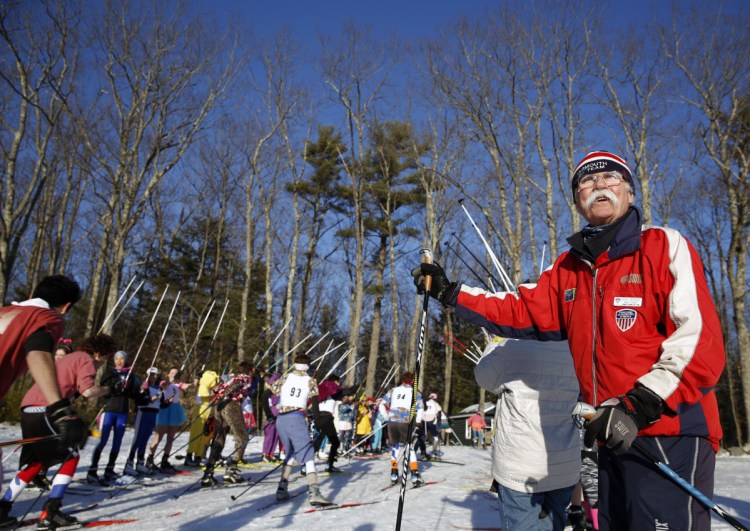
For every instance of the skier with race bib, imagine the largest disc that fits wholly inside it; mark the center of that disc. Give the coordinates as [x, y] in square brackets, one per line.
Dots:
[294, 390]
[399, 400]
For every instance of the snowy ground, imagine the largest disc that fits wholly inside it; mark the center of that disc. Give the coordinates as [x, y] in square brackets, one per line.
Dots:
[459, 498]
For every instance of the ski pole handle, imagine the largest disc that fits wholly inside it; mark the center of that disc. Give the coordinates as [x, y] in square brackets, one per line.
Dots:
[584, 410]
[427, 259]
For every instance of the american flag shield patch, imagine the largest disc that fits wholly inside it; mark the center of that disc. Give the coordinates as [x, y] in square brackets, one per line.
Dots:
[570, 294]
[625, 319]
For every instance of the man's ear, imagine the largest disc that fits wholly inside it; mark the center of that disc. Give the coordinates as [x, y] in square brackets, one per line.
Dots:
[64, 308]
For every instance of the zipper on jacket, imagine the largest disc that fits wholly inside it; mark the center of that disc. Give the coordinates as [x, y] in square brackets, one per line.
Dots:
[593, 336]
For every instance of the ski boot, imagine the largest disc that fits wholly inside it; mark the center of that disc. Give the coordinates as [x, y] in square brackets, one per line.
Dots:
[93, 478]
[41, 482]
[110, 475]
[129, 469]
[315, 498]
[6, 520]
[192, 460]
[208, 479]
[416, 480]
[394, 476]
[141, 467]
[53, 518]
[577, 518]
[150, 463]
[282, 491]
[166, 467]
[233, 476]
[333, 470]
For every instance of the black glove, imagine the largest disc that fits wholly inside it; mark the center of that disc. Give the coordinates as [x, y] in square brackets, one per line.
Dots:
[618, 420]
[441, 288]
[142, 398]
[72, 430]
[221, 404]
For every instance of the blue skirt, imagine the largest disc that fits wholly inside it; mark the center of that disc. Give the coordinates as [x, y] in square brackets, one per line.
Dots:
[172, 415]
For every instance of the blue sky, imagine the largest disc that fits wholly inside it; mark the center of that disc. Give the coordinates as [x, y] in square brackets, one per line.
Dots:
[409, 18]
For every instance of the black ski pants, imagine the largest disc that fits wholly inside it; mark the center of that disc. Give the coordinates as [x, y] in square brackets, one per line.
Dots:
[326, 428]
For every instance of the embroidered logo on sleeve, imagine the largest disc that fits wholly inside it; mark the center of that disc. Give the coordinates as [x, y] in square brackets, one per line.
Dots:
[625, 319]
[570, 294]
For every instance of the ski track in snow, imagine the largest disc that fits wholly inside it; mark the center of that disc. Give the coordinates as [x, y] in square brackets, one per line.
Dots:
[460, 498]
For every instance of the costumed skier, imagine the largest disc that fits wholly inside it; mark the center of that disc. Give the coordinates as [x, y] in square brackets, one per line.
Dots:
[294, 390]
[228, 417]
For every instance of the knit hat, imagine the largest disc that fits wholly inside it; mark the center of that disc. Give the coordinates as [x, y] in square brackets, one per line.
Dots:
[302, 359]
[122, 354]
[407, 378]
[599, 161]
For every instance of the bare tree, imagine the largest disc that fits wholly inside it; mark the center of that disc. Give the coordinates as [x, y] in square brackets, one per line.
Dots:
[706, 53]
[163, 75]
[38, 74]
[356, 70]
[274, 102]
[636, 90]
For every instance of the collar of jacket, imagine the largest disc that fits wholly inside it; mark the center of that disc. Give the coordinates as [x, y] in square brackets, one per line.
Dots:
[627, 239]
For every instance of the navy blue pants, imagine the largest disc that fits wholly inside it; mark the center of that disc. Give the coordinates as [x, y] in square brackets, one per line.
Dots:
[110, 422]
[145, 420]
[635, 494]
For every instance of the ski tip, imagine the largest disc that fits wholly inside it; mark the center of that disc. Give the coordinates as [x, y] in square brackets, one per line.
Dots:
[102, 523]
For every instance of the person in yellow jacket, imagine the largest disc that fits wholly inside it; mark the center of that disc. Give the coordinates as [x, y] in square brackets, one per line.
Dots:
[364, 422]
[199, 440]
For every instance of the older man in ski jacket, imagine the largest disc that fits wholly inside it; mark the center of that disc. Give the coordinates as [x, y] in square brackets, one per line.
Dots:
[633, 303]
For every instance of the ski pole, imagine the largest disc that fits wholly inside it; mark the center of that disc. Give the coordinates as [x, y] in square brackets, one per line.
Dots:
[704, 500]
[117, 303]
[476, 275]
[213, 339]
[347, 371]
[373, 432]
[490, 276]
[166, 327]
[274, 341]
[148, 329]
[503, 275]
[587, 411]
[427, 259]
[117, 317]
[338, 361]
[28, 440]
[198, 335]
[264, 476]
[316, 343]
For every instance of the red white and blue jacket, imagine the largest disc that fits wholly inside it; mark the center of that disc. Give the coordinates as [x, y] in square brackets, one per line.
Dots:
[642, 313]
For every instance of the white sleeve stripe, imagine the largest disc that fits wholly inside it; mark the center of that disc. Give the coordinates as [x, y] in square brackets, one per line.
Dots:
[678, 350]
[479, 292]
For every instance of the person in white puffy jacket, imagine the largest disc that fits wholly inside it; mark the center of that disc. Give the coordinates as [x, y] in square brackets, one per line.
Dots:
[536, 450]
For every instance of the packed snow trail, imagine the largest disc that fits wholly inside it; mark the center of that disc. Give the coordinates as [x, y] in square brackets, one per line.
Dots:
[459, 500]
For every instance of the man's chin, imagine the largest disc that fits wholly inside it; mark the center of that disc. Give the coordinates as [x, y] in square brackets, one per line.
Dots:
[601, 214]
